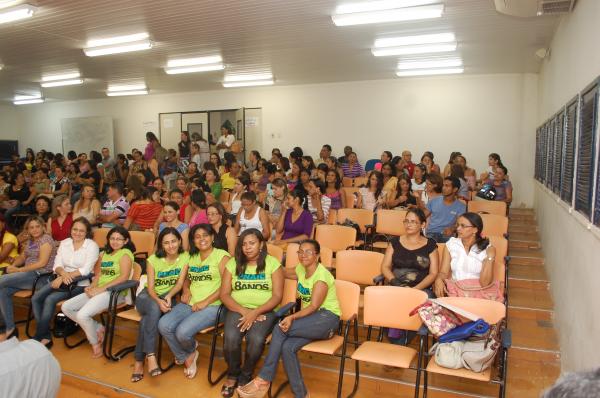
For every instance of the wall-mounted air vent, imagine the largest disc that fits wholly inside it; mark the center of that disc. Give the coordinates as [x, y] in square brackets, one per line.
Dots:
[532, 8]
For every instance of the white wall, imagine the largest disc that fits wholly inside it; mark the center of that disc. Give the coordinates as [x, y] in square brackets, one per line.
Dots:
[9, 127]
[475, 114]
[571, 249]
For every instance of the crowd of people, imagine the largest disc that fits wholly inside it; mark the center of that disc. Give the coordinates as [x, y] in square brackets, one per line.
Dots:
[213, 216]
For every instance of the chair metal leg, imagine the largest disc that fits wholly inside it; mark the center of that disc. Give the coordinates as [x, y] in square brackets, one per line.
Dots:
[107, 345]
[419, 366]
[356, 364]
[159, 356]
[213, 348]
[279, 389]
[69, 345]
[425, 354]
[504, 371]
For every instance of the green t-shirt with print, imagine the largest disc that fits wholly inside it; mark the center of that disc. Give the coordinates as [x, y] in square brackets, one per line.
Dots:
[205, 276]
[110, 268]
[166, 274]
[305, 288]
[251, 290]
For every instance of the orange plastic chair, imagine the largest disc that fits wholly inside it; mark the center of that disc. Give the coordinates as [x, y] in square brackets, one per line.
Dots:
[348, 193]
[275, 251]
[347, 182]
[487, 206]
[377, 302]
[358, 266]
[492, 312]
[501, 263]
[291, 256]
[348, 297]
[390, 223]
[363, 217]
[335, 237]
[100, 236]
[332, 216]
[494, 225]
[360, 181]
[144, 243]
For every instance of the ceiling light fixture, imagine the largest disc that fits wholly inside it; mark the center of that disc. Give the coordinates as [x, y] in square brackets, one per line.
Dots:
[430, 64]
[417, 49]
[123, 93]
[427, 72]
[65, 79]
[117, 45]
[64, 76]
[25, 99]
[58, 83]
[17, 13]
[127, 89]
[447, 37]
[386, 11]
[257, 79]
[191, 65]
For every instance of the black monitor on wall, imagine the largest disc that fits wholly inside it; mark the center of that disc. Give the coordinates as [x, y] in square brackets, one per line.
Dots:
[7, 148]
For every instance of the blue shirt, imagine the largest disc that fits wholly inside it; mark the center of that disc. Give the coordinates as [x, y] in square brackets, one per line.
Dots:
[443, 215]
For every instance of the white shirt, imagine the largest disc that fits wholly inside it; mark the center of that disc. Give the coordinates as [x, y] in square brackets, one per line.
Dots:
[27, 370]
[229, 140]
[417, 187]
[82, 259]
[464, 265]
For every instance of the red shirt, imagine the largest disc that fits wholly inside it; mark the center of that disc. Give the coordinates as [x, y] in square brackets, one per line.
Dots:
[144, 214]
[61, 232]
[410, 167]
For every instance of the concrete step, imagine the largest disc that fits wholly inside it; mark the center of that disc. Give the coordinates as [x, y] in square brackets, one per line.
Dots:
[533, 330]
[523, 244]
[521, 218]
[535, 284]
[529, 272]
[531, 236]
[529, 261]
[530, 294]
[521, 211]
[522, 227]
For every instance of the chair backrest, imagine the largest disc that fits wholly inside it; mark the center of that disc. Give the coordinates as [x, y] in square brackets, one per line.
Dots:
[289, 291]
[348, 193]
[348, 295]
[487, 206]
[100, 236]
[488, 310]
[360, 216]
[326, 256]
[360, 181]
[291, 255]
[499, 271]
[370, 165]
[347, 182]
[335, 237]
[494, 225]
[358, 266]
[275, 251]
[143, 241]
[332, 216]
[390, 222]
[390, 306]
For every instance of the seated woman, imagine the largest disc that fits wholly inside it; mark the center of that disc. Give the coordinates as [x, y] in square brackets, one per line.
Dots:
[418, 180]
[411, 261]
[501, 184]
[225, 237]
[494, 161]
[317, 320]
[457, 171]
[251, 216]
[42, 207]
[19, 198]
[433, 188]
[389, 177]
[200, 299]
[87, 206]
[37, 258]
[213, 181]
[430, 166]
[251, 288]
[196, 212]
[166, 273]
[297, 223]
[76, 257]
[318, 204]
[402, 195]
[9, 245]
[260, 176]
[294, 176]
[170, 213]
[372, 196]
[274, 202]
[468, 256]
[159, 184]
[333, 190]
[470, 174]
[143, 213]
[61, 219]
[60, 184]
[114, 266]
[242, 184]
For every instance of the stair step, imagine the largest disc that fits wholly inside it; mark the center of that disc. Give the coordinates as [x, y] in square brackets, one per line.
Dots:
[522, 227]
[526, 253]
[530, 261]
[531, 236]
[533, 330]
[531, 272]
[530, 296]
[523, 244]
[528, 284]
[529, 218]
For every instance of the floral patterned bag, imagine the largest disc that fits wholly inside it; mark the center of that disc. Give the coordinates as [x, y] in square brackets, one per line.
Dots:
[438, 319]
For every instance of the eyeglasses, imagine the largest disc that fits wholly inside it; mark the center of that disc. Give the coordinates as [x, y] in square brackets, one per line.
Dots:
[411, 222]
[464, 226]
[305, 252]
[116, 239]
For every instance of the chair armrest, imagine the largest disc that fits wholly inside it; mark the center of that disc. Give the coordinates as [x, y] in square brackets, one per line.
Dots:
[506, 259]
[40, 276]
[423, 331]
[284, 310]
[123, 286]
[506, 338]
[379, 279]
[80, 278]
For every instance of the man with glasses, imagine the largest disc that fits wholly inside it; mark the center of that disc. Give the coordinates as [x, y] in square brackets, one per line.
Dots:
[442, 211]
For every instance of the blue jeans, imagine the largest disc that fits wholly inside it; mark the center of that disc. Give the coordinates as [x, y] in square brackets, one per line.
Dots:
[317, 326]
[438, 237]
[148, 329]
[9, 285]
[180, 325]
[44, 303]
[19, 208]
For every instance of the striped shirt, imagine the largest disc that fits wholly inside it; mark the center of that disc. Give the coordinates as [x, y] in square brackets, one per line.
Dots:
[120, 206]
[352, 172]
[325, 205]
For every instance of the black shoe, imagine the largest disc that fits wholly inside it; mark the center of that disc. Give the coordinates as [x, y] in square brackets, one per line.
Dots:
[14, 333]
[228, 391]
[49, 344]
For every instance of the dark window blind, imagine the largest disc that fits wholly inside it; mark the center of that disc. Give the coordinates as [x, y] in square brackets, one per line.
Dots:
[568, 164]
[558, 153]
[585, 151]
[550, 151]
[536, 171]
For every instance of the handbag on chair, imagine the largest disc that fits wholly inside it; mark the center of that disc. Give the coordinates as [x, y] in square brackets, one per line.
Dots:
[472, 288]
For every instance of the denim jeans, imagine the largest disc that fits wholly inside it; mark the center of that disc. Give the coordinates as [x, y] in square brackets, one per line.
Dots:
[9, 285]
[44, 303]
[148, 328]
[438, 237]
[255, 344]
[316, 326]
[180, 325]
[19, 208]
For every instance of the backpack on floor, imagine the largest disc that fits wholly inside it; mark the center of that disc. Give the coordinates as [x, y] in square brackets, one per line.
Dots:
[64, 326]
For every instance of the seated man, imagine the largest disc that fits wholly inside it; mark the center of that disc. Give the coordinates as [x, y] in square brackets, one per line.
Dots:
[442, 211]
[114, 210]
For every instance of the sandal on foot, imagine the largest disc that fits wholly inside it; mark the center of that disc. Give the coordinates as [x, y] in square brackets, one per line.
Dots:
[227, 391]
[156, 371]
[190, 372]
[135, 377]
[253, 390]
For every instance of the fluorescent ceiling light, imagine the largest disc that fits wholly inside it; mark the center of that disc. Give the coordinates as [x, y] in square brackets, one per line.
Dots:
[58, 83]
[175, 63]
[64, 76]
[430, 64]
[17, 13]
[248, 83]
[118, 44]
[419, 49]
[29, 101]
[249, 77]
[386, 11]
[192, 69]
[126, 87]
[131, 92]
[1, 66]
[117, 40]
[19, 97]
[412, 40]
[381, 5]
[426, 72]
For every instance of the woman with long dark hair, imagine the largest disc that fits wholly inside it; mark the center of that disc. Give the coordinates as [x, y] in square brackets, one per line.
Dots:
[372, 196]
[296, 223]
[402, 195]
[251, 288]
[333, 189]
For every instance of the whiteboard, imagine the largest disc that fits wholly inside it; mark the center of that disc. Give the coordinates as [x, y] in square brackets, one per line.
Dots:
[84, 134]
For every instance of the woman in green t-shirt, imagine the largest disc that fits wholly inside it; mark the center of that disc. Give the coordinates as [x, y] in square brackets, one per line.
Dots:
[200, 299]
[252, 287]
[317, 320]
[165, 280]
[113, 267]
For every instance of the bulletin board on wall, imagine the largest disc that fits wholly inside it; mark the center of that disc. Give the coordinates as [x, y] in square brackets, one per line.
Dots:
[84, 134]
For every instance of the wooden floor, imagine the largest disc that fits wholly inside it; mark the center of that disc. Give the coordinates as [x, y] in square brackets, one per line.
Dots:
[534, 360]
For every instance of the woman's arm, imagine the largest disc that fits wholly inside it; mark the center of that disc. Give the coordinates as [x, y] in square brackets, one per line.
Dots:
[45, 252]
[187, 214]
[225, 294]
[319, 206]
[185, 242]
[157, 222]
[231, 240]
[439, 287]
[179, 285]
[487, 267]
[236, 224]
[433, 271]
[317, 298]
[386, 264]
[509, 190]
[5, 251]
[343, 198]
[281, 222]
[264, 221]
[290, 273]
